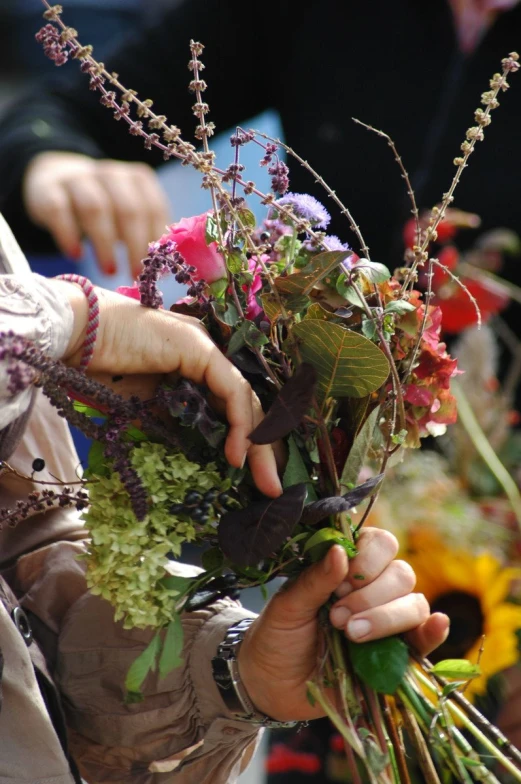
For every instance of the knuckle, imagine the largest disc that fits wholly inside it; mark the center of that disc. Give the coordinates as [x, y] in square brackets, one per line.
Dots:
[405, 573]
[53, 203]
[92, 207]
[143, 170]
[385, 540]
[422, 605]
[128, 210]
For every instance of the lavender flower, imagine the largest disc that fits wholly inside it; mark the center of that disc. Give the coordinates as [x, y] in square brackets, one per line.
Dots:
[53, 45]
[279, 177]
[307, 207]
[119, 452]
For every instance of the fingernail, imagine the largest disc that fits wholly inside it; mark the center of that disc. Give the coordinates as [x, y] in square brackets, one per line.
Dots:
[358, 628]
[243, 461]
[340, 616]
[76, 253]
[344, 589]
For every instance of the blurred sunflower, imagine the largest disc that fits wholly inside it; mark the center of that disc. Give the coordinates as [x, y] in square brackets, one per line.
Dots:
[473, 591]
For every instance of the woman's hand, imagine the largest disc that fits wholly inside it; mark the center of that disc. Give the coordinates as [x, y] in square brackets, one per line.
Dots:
[136, 340]
[73, 196]
[280, 650]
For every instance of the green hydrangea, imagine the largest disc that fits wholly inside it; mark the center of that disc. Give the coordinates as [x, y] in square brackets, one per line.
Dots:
[126, 557]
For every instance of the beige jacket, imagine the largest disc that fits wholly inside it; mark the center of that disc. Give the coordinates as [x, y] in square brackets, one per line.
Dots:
[79, 644]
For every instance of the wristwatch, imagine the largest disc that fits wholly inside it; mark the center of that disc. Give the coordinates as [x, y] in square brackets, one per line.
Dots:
[225, 670]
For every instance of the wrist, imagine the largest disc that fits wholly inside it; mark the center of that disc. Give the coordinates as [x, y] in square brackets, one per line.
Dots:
[74, 295]
[236, 694]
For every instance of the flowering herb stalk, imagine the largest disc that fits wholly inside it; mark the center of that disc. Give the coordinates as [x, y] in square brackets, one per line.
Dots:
[347, 360]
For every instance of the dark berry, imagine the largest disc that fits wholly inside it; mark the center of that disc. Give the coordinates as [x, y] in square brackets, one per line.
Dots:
[224, 499]
[38, 464]
[210, 495]
[192, 497]
[205, 506]
[176, 508]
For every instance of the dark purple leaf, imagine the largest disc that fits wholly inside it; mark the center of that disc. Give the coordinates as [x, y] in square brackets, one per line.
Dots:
[246, 536]
[288, 408]
[247, 362]
[318, 510]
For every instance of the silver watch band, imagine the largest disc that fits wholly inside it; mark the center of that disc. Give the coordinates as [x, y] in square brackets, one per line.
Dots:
[226, 675]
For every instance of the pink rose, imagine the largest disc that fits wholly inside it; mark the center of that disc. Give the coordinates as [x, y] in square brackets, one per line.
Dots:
[189, 237]
[252, 306]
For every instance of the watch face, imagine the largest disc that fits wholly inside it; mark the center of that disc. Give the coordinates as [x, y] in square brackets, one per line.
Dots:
[221, 673]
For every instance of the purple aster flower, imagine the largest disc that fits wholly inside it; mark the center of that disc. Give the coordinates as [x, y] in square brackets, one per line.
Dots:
[307, 207]
[329, 242]
[332, 242]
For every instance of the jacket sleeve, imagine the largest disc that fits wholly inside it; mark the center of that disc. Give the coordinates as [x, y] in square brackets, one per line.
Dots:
[30, 307]
[182, 732]
[63, 114]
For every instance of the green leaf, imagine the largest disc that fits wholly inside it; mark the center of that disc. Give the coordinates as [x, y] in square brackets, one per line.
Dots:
[369, 328]
[399, 438]
[347, 364]
[83, 408]
[320, 542]
[264, 592]
[247, 217]
[235, 262]
[212, 559]
[134, 434]
[248, 335]
[372, 270]
[226, 313]
[271, 306]
[97, 463]
[381, 664]
[352, 296]
[471, 763]
[399, 306]
[449, 688]
[358, 452]
[211, 231]
[174, 582]
[218, 288]
[316, 311]
[318, 268]
[296, 471]
[461, 669]
[172, 647]
[141, 666]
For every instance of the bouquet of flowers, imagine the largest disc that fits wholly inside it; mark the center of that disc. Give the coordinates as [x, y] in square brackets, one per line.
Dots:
[345, 358]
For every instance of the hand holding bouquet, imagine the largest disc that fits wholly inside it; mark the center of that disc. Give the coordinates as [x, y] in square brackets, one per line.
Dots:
[346, 361]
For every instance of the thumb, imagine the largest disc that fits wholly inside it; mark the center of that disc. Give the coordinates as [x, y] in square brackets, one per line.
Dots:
[299, 601]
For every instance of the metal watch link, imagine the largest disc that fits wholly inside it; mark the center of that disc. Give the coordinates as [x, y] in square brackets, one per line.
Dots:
[225, 670]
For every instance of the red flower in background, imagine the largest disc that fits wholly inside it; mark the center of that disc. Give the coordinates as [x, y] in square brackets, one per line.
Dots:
[283, 759]
[456, 306]
[457, 309]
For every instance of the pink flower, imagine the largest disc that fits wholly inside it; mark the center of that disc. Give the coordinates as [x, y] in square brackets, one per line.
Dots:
[189, 237]
[252, 306]
[129, 291]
